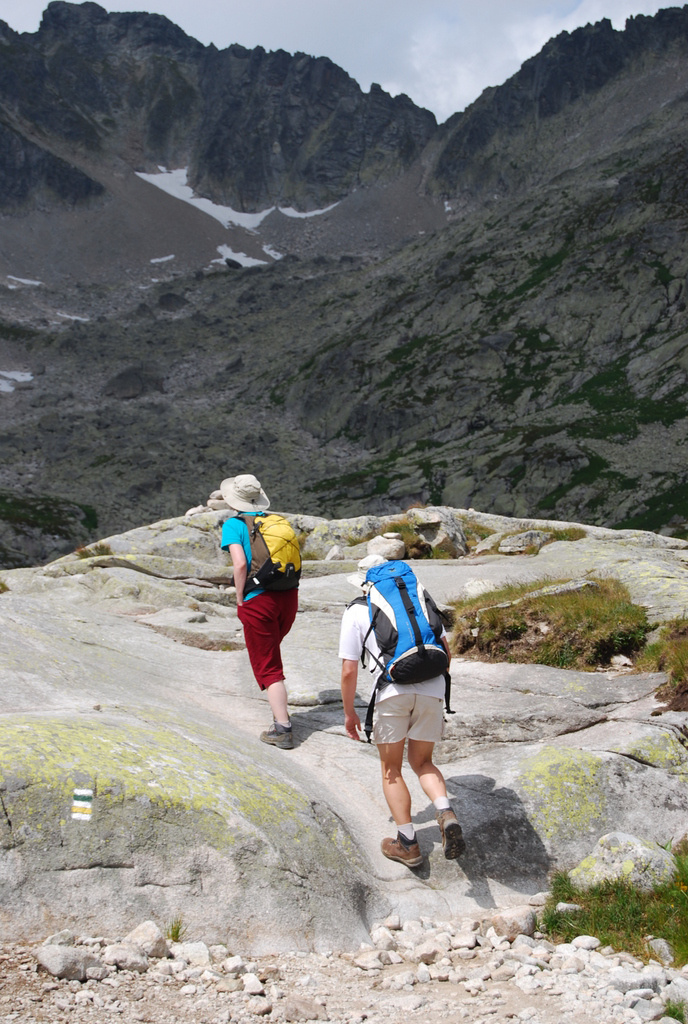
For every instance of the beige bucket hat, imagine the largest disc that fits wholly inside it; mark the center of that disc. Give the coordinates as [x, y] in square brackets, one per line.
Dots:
[244, 494]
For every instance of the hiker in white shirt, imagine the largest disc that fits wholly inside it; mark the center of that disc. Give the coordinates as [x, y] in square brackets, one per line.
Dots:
[411, 712]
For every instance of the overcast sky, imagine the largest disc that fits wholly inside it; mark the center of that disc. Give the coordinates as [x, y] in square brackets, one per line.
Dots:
[441, 53]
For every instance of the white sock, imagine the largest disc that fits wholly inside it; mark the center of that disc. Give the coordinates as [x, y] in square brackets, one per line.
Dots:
[407, 831]
[442, 803]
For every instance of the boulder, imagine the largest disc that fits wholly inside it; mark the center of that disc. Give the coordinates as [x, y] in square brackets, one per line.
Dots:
[323, 534]
[662, 950]
[234, 966]
[299, 1008]
[677, 990]
[390, 547]
[487, 544]
[195, 953]
[253, 986]
[68, 962]
[368, 960]
[622, 857]
[148, 937]
[520, 542]
[441, 528]
[126, 956]
[515, 921]
[382, 938]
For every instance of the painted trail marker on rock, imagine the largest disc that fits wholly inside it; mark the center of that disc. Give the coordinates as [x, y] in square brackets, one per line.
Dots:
[82, 804]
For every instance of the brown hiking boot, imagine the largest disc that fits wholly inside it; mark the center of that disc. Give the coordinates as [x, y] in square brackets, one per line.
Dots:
[453, 842]
[394, 849]
[279, 736]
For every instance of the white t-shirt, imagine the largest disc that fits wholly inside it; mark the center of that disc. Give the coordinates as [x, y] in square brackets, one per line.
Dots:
[355, 625]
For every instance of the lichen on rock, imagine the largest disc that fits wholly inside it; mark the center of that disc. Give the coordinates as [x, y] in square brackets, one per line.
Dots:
[565, 790]
[618, 856]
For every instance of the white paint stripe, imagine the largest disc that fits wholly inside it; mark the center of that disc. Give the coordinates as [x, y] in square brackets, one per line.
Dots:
[82, 804]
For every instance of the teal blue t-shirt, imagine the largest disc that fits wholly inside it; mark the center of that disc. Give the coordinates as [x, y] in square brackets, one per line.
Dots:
[235, 531]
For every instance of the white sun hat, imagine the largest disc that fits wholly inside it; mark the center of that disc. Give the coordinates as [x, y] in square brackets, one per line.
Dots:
[357, 579]
[244, 494]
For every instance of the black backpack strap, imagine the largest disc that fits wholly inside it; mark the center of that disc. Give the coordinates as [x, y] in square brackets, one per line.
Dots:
[259, 550]
[436, 619]
[364, 649]
[410, 611]
[447, 694]
[368, 727]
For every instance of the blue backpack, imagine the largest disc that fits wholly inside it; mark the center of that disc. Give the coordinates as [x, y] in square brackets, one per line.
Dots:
[407, 628]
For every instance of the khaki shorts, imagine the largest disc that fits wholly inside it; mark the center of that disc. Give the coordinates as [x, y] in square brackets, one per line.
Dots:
[412, 715]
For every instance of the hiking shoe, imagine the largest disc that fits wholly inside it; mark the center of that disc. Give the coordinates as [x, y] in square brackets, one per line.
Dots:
[279, 736]
[453, 842]
[395, 849]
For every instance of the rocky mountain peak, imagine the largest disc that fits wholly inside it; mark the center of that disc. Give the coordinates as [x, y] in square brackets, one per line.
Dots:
[504, 297]
[60, 16]
[571, 67]
[256, 128]
[88, 24]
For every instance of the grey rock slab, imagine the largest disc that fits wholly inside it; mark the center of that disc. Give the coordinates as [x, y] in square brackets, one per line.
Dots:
[172, 819]
[551, 802]
[156, 566]
[195, 538]
[192, 815]
[655, 572]
[502, 703]
[656, 742]
[656, 575]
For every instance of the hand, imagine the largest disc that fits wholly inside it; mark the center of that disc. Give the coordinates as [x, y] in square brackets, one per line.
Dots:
[352, 724]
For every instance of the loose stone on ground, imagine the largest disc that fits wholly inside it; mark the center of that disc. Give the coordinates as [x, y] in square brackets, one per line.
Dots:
[467, 970]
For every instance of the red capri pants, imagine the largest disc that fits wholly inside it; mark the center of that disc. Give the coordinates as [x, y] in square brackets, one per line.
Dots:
[267, 619]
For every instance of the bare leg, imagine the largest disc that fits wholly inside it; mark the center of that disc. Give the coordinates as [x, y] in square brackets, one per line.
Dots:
[393, 786]
[429, 775]
[277, 696]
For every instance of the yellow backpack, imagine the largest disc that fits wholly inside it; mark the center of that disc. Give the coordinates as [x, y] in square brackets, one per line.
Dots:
[275, 553]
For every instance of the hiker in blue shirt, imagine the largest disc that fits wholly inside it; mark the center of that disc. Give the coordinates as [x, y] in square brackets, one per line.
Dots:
[266, 615]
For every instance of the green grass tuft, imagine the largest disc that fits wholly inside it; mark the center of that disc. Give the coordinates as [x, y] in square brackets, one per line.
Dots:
[569, 533]
[94, 550]
[622, 916]
[580, 629]
[675, 1009]
[175, 929]
[669, 653]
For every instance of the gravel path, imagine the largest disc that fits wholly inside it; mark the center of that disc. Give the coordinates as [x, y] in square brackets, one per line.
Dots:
[417, 970]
